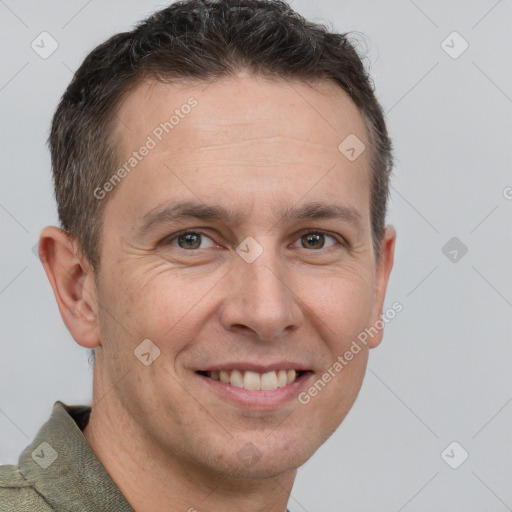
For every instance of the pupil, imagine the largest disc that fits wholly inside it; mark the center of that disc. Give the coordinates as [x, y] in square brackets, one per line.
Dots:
[191, 241]
[315, 239]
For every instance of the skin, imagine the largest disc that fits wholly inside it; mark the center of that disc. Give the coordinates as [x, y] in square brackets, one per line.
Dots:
[254, 146]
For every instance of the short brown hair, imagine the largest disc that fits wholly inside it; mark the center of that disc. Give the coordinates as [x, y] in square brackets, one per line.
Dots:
[198, 40]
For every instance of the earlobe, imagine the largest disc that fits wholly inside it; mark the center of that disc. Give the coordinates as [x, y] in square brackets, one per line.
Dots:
[73, 285]
[384, 266]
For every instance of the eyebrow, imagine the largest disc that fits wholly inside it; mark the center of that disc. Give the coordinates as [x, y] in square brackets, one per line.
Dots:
[185, 210]
[323, 211]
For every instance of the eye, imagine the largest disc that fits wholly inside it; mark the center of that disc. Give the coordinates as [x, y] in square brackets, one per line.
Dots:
[190, 240]
[316, 240]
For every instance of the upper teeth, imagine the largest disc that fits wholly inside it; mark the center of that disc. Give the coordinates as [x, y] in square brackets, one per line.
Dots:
[255, 381]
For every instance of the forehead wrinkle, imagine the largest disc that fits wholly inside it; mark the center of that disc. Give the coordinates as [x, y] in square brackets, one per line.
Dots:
[263, 139]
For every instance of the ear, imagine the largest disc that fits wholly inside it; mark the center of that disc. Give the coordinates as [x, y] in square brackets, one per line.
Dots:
[72, 280]
[384, 266]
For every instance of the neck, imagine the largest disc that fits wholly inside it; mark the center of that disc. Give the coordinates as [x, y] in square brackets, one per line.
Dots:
[154, 480]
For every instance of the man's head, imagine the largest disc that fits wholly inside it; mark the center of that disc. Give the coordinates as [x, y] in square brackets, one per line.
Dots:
[247, 236]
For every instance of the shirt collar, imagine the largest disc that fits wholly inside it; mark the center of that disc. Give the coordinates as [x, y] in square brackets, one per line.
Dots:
[62, 467]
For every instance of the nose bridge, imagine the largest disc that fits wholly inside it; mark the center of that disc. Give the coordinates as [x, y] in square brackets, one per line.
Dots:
[260, 299]
[264, 282]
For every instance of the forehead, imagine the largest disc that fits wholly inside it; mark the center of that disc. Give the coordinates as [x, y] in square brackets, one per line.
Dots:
[241, 139]
[241, 104]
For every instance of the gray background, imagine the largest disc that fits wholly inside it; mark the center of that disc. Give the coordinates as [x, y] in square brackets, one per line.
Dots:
[442, 373]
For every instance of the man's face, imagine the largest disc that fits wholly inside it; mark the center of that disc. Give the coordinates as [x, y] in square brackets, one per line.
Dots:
[260, 151]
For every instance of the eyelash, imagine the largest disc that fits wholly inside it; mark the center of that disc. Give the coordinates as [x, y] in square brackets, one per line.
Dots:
[341, 241]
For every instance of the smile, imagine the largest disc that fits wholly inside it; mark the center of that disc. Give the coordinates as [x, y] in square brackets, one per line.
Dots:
[255, 381]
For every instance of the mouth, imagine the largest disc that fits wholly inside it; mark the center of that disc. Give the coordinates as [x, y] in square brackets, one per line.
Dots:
[255, 381]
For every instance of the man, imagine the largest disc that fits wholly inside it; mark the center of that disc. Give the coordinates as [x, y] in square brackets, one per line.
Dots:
[221, 174]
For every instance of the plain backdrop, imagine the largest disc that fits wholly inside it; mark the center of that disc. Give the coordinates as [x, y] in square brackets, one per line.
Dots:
[442, 373]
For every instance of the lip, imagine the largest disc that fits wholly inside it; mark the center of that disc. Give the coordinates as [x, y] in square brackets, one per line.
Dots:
[256, 399]
[252, 367]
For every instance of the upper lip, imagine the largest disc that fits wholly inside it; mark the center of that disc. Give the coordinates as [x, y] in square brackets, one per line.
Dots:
[254, 367]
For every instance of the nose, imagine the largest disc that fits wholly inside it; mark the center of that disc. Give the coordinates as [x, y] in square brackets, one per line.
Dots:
[261, 299]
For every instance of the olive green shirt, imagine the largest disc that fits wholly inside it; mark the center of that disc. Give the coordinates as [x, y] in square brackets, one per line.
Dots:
[59, 471]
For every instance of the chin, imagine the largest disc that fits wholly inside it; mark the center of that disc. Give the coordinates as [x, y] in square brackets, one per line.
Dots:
[269, 458]
[265, 468]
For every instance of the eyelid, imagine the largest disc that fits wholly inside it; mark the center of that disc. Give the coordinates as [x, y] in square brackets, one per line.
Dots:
[338, 238]
[169, 239]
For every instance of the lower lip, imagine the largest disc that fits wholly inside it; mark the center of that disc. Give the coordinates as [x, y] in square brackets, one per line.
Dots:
[258, 399]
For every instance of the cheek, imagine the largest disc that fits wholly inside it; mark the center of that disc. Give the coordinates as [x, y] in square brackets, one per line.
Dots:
[344, 310]
[159, 303]
[341, 306]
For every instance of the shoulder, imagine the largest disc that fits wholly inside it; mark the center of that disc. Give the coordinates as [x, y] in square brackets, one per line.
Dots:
[18, 495]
